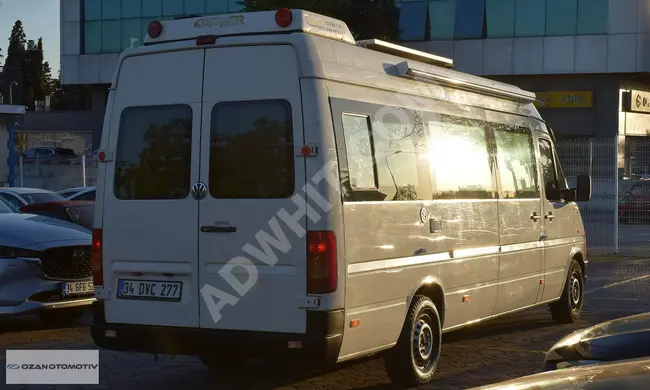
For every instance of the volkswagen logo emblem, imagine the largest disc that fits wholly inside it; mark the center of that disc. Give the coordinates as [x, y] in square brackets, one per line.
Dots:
[199, 191]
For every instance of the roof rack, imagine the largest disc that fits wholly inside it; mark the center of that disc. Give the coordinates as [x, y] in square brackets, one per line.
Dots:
[405, 52]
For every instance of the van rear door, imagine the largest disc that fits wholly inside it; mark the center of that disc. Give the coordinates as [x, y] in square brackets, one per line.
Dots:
[252, 130]
[149, 217]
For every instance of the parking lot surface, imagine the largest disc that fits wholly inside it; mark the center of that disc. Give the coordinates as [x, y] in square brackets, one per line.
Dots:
[490, 352]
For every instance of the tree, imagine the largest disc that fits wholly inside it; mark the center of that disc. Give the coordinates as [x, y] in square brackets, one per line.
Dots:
[366, 18]
[15, 63]
[48, 82]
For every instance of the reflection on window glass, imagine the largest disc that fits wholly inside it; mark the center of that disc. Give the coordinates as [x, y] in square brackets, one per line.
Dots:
[460, 162]
[234, 6]
[6, 207]
[470, 15]
[398, 148]
[93, 37]
[12, 200]
[111, 36]
[547, 163]
[359, 151]
[153, 157]
[518, 171]
[251, 150]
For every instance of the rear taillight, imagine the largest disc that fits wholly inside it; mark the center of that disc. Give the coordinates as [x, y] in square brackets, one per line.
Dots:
[322, 270]
[96, 252]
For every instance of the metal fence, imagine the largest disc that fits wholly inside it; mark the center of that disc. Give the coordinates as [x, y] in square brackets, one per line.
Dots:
[617, 218]
[56, 175]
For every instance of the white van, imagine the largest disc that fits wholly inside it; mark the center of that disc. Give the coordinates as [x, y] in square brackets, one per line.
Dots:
[268, 187]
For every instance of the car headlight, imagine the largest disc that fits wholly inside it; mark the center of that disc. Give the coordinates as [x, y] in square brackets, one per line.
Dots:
[7, 252]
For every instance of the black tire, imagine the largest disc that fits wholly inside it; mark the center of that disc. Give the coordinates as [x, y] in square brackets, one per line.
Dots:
[61, 316]
[567, 310]
[223, 362]
[414, 359]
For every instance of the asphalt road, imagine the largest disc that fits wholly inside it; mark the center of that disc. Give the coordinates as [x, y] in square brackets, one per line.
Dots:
[491, 352]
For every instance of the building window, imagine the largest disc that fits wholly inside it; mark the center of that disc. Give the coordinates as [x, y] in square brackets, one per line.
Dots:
[172, 7]
[111, 36]
[92, 10]
[412, 20]
[234, 6]
[592, 16]
[530, 18]
[561, 17]
[194, 7]
[93, 37]
[131, 33]
[216, 7]
[111, 9]
[441, 19]
[470, 15]
[500, 18]
[131, 9]
[152, 8]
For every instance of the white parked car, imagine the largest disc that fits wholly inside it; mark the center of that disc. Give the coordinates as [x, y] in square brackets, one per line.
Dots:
[19, 197]
[78, 193]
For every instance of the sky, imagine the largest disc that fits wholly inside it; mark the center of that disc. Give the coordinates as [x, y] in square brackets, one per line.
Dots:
[40, 19]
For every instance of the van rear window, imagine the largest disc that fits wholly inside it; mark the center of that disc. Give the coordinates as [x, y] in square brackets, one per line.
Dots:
[251, 150]
[153, 156]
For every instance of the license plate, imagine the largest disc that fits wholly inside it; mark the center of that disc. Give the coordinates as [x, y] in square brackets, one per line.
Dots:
[77, 288]
[149, 289]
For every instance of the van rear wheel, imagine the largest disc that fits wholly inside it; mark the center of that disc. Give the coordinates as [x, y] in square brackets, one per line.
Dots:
[413, 360]
[567, 310]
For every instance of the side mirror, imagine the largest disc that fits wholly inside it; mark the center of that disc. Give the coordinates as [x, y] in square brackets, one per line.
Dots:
[570, 195]
[583, 190]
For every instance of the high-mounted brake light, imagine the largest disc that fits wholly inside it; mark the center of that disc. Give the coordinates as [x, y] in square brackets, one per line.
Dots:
[322, 269]
[283, 17]
[206, 40]
[154, 29]
[96, 256]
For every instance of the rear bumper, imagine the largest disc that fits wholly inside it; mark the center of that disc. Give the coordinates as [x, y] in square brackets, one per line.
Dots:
[320, 345]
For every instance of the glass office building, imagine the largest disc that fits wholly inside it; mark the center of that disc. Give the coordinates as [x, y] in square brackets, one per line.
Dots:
[580, 55]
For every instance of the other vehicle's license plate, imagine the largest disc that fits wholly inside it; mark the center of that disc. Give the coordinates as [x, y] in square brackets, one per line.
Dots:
[77, 288]
[149, 289]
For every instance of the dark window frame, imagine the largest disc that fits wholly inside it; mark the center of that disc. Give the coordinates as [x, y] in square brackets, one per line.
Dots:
[291, 158]
[163, 107]
[556, 197]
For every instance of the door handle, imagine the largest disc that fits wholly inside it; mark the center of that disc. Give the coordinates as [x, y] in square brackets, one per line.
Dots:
[549, 216]
[218, 229]
[535, 217]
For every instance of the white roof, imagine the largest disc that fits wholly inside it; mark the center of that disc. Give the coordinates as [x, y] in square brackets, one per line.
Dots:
[12, 109]
[251, 23]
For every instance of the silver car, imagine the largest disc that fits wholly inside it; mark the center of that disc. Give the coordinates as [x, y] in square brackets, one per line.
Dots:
[46, 267]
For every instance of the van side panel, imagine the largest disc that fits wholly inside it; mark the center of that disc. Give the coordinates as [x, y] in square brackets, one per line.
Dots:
[136, 241]
[392, 247]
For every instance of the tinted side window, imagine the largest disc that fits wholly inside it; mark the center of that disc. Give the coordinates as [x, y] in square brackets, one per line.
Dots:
[13, 200]
[153, 157]
[251, 150]
[516, 157]
[549, 175]
[90, 195]
[460, 159]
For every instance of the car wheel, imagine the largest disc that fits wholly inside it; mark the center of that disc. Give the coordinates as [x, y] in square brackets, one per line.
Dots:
[567, 310]
[414, 359]
[61, 317]
[231, 361]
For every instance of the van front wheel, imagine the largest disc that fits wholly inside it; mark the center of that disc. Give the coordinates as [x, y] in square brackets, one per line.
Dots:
[413, 360]
[567, 310]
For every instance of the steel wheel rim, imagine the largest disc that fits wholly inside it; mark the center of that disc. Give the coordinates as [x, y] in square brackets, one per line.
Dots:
[575, 291]
[424, 346]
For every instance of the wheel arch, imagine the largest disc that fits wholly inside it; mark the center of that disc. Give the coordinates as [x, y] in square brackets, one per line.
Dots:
[431, 288]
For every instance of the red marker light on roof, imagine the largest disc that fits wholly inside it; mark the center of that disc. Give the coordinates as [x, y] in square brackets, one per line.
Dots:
[283, 17]
[154, 29]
